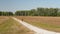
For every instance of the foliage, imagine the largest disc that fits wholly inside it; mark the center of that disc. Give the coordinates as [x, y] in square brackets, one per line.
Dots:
[6, 13]
[39, 12]
[34, 12]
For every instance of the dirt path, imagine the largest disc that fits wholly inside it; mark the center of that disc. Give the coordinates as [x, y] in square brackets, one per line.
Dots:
[35, 29]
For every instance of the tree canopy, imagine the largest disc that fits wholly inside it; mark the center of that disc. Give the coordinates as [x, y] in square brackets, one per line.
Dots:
[39, 12]
[34, 12]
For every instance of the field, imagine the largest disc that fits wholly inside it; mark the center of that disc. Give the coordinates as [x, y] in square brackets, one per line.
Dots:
[10, 26]
[48, 23]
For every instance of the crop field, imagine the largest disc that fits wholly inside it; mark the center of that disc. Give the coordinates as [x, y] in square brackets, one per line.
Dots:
[2, 19]
[48, 23]
[10, 26]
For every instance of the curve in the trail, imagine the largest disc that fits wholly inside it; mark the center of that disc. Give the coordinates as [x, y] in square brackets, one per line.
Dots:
[34, 28]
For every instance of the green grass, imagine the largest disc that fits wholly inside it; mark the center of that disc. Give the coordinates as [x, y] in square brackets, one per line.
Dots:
[11, 26]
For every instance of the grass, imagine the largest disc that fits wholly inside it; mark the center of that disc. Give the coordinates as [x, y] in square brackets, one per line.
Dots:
[11, 26]
[3, 18]
[48, 23]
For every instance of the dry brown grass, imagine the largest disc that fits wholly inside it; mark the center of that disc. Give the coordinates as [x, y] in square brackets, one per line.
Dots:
[10, 26]
[49, 23]
[3, 18]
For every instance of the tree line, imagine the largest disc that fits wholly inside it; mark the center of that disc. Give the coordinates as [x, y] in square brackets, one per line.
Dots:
[34, 12]
[3, 13]
[39, 12]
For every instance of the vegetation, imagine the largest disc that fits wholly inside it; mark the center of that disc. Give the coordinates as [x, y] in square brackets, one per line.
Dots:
[34, 12]
[47, 23]
[6, 13]
[10, 26]
[39, 12]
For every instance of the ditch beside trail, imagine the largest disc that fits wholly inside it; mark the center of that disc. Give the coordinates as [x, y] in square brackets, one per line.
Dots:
[34, 28]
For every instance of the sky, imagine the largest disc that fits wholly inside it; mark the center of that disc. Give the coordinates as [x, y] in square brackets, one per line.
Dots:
[14, 5]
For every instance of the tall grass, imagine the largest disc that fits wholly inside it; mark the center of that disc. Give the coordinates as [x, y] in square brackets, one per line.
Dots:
[11, 26]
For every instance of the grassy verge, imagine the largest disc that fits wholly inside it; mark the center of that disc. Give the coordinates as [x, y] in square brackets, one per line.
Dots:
[10, 26]
[37, 21]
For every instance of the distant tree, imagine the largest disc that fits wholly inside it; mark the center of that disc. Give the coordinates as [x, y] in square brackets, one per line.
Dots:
[38, 12]
[0, 13]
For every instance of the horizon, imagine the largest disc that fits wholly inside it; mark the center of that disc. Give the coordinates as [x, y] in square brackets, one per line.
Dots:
[14, 5]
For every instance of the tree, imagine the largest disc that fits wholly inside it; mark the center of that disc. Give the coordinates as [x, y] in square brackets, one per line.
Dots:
[0, 13]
